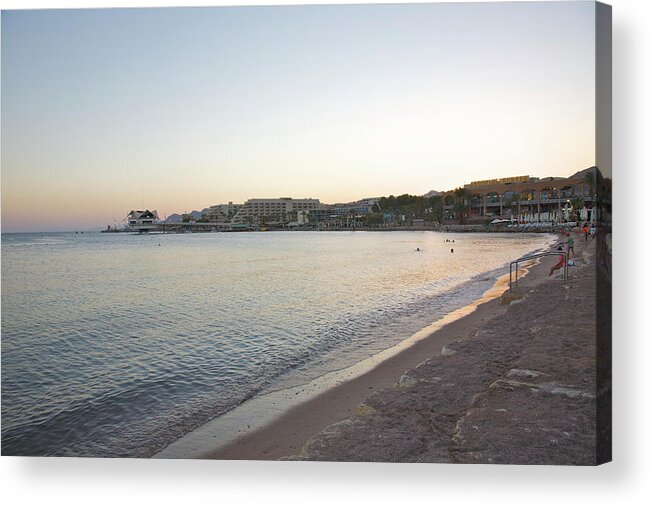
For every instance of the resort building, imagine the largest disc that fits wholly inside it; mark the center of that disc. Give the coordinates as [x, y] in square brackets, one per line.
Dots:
[324, 214]
[358, 209]
[275, 209]
[142, 220]
[224, 212]
[525, 199]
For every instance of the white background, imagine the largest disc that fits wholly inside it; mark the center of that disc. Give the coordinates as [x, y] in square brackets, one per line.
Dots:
[59, 481]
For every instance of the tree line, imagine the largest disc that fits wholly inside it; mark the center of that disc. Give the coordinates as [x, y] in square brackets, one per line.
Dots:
[412, 207]
[429, 209]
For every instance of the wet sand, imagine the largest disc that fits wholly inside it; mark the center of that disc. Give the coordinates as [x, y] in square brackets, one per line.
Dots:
[286, 435]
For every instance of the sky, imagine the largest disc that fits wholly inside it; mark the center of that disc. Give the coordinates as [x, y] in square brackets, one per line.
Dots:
[176, 109]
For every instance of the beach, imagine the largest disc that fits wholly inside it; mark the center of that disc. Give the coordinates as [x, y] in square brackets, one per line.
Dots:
[511, 381]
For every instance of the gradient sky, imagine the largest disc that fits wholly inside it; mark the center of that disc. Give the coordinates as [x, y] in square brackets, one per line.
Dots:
[180, 108]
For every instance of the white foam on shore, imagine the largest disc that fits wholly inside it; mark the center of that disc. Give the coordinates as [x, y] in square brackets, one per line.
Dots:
[263, 409]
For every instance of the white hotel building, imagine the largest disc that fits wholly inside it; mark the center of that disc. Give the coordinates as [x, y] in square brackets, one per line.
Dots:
[280, 209]
[222, 212]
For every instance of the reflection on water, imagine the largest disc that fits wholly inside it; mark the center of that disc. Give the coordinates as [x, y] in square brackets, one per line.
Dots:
[117, 344]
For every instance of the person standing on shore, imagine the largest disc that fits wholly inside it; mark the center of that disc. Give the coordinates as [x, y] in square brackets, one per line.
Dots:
[561, 260]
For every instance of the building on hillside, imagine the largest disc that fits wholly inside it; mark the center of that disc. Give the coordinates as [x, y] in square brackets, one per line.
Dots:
[359, 208]
[324, 214]
[142, 220]
[222, 213]
[275, 209]
[527, 199]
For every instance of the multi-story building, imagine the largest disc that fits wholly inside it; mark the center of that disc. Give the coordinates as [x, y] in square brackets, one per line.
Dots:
[275, 209]
[323, 214]
[528, 199]
[142, 220]
[358, 208]
[223, 212]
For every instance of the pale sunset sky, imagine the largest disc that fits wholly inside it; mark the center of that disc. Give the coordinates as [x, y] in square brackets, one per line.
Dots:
[105, 110]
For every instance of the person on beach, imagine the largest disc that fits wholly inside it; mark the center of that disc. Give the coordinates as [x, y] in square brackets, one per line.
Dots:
[570, 246]
[561, 261]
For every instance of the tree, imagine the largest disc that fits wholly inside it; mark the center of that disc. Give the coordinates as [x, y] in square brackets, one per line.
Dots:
[436, 204]
[374, 219]
[351, 214]
[577, 204]
[509, 202]
[589, 179]
[462, 199]
[388, 202]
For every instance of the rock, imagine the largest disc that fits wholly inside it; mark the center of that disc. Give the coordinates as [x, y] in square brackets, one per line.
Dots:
[406, 381]
[509, 297]
[523, 373]
[447, 351]
[365, 410]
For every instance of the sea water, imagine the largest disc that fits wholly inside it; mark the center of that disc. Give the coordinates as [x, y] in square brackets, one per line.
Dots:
[118, 344]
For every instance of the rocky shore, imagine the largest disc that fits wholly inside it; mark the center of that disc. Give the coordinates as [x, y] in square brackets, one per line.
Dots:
[521, 389]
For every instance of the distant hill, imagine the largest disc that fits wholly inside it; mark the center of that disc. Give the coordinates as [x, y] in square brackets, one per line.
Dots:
[432, 193]
[582, 173]
[177, 218]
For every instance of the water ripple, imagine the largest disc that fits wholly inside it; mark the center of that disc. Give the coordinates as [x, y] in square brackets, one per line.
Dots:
[111, 347]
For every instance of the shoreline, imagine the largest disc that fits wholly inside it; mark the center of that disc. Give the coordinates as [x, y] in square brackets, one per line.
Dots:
[522, 390]
[277, 424]
[529, 228]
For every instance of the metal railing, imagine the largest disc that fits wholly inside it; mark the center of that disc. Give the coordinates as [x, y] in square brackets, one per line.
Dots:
[532, 257]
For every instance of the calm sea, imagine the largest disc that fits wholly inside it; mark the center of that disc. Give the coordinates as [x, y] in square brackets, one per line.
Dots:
[118, 344]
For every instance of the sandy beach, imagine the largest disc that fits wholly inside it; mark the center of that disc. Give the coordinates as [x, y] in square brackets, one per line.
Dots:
[417, 404]
[286, 435]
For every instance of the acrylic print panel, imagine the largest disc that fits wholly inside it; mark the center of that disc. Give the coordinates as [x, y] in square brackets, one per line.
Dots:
[339, 233]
